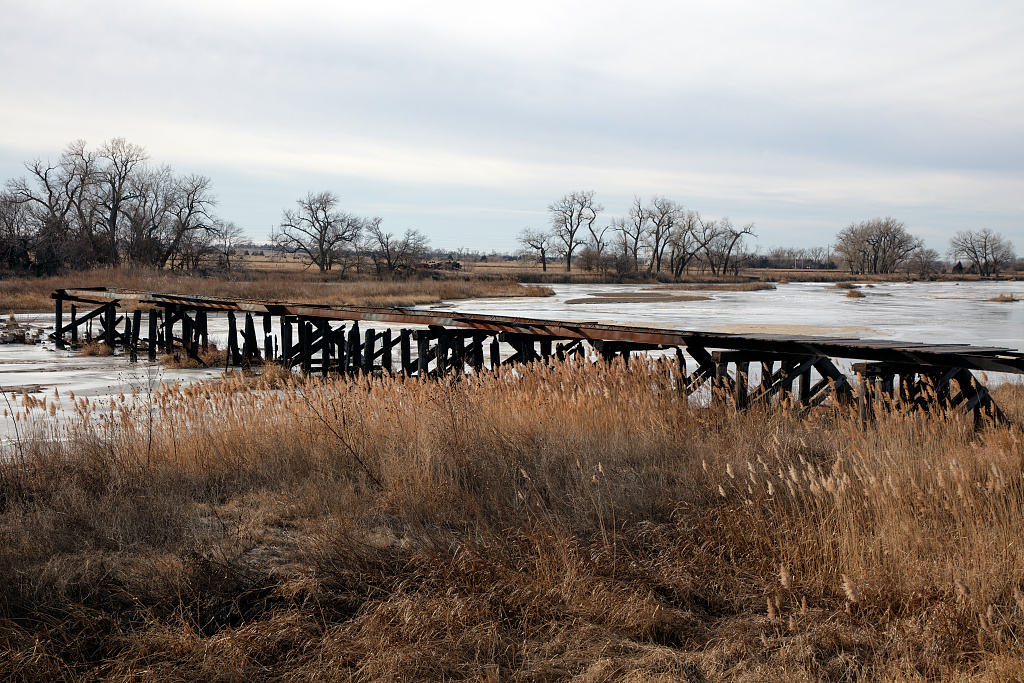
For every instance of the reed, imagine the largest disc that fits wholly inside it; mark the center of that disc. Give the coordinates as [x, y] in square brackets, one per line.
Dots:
[33, 294]
[572, 520]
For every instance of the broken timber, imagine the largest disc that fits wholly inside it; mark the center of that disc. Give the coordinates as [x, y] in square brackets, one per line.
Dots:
[327, 339]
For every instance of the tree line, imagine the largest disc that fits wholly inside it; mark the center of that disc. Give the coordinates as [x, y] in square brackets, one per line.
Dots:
[105, 207]
[660, 236]
[112, 205]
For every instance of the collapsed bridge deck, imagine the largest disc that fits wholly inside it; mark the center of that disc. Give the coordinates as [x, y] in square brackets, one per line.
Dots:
[308, 336]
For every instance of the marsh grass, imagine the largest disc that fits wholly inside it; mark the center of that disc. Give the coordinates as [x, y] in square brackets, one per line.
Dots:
[33, 294]
[548, 523]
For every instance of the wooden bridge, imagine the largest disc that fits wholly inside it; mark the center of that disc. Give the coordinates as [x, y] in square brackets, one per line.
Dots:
[327, 339]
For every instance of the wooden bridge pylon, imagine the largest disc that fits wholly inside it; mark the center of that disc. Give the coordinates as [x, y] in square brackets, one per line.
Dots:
[328, 340]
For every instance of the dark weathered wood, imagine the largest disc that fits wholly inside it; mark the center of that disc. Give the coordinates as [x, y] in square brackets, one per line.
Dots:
[286, 340]
[441, 360]
[58, 337]
[405, 350]
[169, 320]
[74, 325]
[495, 353]
[268, 339]
[325, 351]
[477, 352]
[740, 395]
[354, 349]
[152, 340]
[804, 387]
[422, 358]
[386, 344]
[234, 357]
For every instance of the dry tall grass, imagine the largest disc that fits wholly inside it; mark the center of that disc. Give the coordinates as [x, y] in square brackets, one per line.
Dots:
[575, 522]
[33, 294]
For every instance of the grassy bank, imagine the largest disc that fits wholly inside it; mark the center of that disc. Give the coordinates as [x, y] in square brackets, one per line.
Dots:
[571, 523]
[33, 294]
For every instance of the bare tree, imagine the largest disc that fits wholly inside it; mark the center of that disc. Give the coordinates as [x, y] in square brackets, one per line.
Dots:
[989, 251]
[119, 161]
[569, 216]
[317, 229]
[684, 245]
[190, 208]
[390, 253]
[880, 245]
[15, 234]
[721, 241]
[229, 236]
[662, 215]
[537, 243]
[923, 262]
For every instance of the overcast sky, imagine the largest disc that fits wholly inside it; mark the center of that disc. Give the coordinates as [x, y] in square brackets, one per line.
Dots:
[466, 119]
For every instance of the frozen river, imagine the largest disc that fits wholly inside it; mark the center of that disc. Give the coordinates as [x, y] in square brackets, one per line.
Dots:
[940, 312]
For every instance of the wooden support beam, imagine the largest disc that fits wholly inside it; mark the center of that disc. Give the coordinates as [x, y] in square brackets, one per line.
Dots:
[804, 387]
[325, 342]
[354, 350]
[74, 325]
[128, 348]
[170, 313]
[152, 339]
[495, 353]
[136, 329]
[386, 344]
[406, 350]
[268, 338]
[286, 340]
[740, 396]
[422, 360]
[58, 337]
[441, 361]
[477, 353]
[234, 356]
[371, 339]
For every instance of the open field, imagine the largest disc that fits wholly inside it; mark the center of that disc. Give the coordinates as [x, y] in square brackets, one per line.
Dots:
[33, 294]
[568, 523]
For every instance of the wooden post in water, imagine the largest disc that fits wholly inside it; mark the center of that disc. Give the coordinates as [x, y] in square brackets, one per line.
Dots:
[202, 327]
[804, 387]
[325, 351]
[371, 337]
[151, 344]
[136, 330]
[385, 359]
[495, 353]
[110, 325]
[478, 352]
[305, 332]
[169, 329]
[441, 355]
[286, 340]
[233, 355]
[268, 339]
[58, 322]
[352, 352]
[740, 394]
[74, 324]
[406, 350]
[422, 359]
